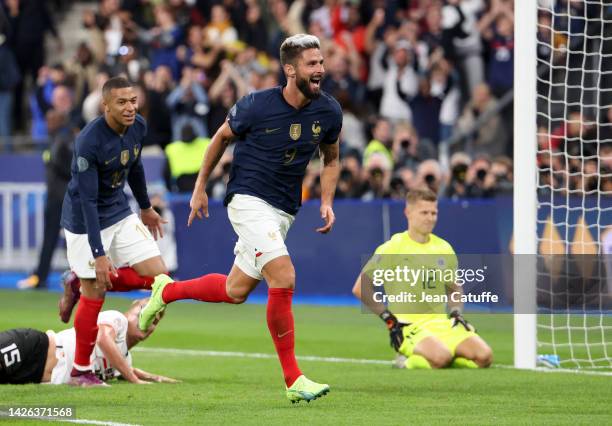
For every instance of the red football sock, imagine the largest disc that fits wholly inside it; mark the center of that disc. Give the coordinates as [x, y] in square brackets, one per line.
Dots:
[207, 288]
[280, 324]
[127, 279]
[86, 327]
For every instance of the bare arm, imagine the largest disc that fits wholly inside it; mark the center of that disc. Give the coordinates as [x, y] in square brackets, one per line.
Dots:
[143, 375]
[364, 291]
[199, 199]
[228, 74]
[106, 342]
[329, 179]
[377, 20]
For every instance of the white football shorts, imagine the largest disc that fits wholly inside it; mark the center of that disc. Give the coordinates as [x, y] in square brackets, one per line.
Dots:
[261, 230]
[126, 243]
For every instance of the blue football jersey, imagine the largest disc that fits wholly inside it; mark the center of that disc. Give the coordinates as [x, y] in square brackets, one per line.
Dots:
[275, 144]
[102, 162]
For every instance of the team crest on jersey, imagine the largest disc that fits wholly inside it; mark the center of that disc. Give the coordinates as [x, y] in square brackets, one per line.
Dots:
[316, 129]
[136, 150]
[295, 131]
[125, 156]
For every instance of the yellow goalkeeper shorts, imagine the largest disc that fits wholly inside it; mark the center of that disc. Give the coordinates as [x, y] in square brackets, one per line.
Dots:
[440, 328]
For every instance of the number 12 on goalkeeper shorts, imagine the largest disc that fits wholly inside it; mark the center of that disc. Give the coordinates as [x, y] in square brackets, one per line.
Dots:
[11, 355]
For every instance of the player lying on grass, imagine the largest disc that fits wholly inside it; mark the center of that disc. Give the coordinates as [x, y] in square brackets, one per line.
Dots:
[31, 356]
[428, 340]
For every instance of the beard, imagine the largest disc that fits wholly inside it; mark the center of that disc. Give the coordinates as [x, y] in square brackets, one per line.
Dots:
[303, 84]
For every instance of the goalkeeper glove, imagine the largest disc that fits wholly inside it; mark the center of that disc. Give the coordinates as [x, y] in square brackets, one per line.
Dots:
[457, 318]
[395, 329]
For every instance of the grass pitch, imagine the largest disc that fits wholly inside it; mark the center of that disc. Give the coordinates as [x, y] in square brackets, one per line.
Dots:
[227, 388]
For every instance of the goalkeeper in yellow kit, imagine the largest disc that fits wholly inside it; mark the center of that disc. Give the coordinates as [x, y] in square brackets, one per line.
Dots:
[422, 339]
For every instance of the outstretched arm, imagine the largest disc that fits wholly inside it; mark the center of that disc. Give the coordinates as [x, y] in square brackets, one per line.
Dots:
[150, 377]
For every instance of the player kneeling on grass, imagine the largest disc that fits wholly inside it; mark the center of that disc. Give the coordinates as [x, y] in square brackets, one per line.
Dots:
[31, 356]
[423, 340]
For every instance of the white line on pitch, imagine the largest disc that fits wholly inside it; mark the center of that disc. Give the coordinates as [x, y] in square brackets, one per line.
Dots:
[258, 355]
[195, 352]
[5, 414]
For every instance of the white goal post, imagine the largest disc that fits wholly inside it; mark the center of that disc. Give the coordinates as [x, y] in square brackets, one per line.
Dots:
[525, 185]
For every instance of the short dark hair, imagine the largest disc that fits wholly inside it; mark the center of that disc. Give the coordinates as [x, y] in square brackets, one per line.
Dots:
[423, 194]
[115, 83]
[293, 47]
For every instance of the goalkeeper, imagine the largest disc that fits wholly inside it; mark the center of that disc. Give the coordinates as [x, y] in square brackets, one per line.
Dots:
[421, 338]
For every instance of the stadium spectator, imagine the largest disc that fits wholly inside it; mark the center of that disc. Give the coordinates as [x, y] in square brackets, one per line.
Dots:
[444, 86]
[92, 104]
[62, 100]
[280, 26]
[400, 83]
[480, 180]
[41, 100]
[378, 171]
[83, 71]
[457, 186]
[501, 169]
[408, 149]
[382, 142]
[57, 164]
[163, 39]
[378, 51]
[220, 29]
[188, 104]
[255, 33]
[463, 40]
[29, 21]
[9, 78]
[343, 78]
[350, 181]
[347, 185]
[426, 109]
[489, 139]
[497, 28]
[429, 175]
[433, 35]
[183, 160]
[225, 91]
[158, 85]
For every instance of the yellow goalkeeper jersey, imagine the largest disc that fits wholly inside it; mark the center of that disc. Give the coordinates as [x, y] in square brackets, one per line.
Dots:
[434, 262]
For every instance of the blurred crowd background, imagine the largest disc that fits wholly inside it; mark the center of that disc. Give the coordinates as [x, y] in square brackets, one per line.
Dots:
[425, 85]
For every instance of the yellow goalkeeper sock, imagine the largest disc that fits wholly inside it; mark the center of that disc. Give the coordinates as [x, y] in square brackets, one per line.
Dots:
[460, 362]
[417, 362]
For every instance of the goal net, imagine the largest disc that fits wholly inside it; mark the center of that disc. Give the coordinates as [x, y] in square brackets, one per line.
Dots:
[574, 183]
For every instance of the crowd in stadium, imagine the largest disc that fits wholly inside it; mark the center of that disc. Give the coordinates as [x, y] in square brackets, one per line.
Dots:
[574, 108]
[420, 81]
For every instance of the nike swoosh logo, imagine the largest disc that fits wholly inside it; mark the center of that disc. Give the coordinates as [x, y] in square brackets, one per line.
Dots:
[107, 162]
[268, 131]
[284, 334]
